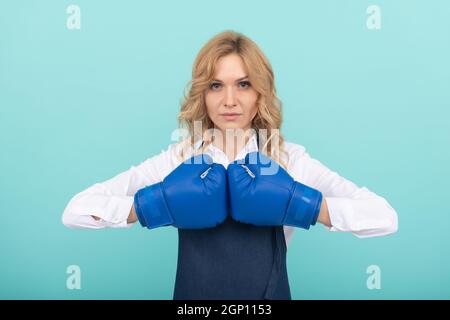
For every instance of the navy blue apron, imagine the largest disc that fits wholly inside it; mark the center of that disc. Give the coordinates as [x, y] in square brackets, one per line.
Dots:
[232, 261]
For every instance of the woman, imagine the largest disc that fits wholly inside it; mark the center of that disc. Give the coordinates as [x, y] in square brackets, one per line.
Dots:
[231, 111]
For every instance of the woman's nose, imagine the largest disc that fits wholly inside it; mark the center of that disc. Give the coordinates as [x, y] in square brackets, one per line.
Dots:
[230, 98]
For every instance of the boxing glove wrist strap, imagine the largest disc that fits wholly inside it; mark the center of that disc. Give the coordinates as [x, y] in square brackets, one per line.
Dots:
[304, 207]
[151, 207]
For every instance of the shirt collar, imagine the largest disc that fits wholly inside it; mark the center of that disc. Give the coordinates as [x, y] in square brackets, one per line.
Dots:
[251, 146]
[214, 152]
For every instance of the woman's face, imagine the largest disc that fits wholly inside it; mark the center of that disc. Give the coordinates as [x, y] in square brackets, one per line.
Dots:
[230, 99]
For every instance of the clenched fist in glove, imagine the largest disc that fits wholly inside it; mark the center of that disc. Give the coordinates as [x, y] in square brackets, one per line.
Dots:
[263, 193]
[192, 196]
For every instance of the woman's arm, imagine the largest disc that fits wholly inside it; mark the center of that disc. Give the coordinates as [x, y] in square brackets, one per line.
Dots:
[345, 207]
[109, 204]
[132, 218]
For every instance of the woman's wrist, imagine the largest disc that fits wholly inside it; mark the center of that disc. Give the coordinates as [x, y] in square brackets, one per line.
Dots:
[132, 217]
[324, 216]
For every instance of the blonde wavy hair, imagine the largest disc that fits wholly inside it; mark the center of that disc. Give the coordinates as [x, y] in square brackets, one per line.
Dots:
[261, 77]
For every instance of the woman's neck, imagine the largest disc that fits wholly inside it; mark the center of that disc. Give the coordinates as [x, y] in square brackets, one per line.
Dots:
[231, 142]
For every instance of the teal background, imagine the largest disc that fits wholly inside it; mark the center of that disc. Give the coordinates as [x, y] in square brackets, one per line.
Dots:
[80, 106]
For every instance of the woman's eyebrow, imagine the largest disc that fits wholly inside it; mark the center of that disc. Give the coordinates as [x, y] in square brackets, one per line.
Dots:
[240, 79]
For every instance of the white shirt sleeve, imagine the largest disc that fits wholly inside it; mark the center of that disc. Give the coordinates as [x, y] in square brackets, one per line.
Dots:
[112, 199]
[351, 208]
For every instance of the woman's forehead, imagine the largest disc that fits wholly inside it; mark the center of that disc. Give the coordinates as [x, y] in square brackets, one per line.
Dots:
[230, 68]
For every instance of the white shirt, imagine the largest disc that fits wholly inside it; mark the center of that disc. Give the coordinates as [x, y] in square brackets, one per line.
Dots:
[351, 208]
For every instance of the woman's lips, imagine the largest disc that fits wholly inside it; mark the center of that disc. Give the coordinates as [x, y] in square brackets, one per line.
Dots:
[230, 116]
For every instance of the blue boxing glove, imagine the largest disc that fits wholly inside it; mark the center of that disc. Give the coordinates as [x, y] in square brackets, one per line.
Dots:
[192, 196]
[262, 193]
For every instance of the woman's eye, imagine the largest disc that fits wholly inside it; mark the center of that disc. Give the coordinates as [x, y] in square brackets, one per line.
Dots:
[244, 84]
[214, 86]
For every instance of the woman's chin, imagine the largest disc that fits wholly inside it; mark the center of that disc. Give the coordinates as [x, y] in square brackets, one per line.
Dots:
[232, 125]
